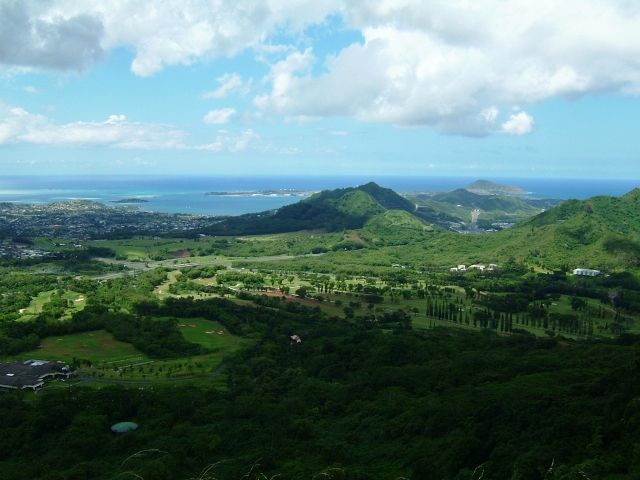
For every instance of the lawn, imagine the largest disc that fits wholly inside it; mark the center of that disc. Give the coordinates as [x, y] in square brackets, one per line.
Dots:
[120, 361]
[198, 330]
[99, 347]
[210, 334]
[35, 307]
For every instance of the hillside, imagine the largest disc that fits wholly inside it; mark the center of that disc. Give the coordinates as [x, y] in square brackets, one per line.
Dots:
[485, 187]
[601, 232]
[459, 206]
[330, 210]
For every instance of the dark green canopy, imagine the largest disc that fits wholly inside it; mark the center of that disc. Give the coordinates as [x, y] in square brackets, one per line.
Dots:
[124, 427]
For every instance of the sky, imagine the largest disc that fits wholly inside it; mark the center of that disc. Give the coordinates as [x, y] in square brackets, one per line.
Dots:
[497, 88]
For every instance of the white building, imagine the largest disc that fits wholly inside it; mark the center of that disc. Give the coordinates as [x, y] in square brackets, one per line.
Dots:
[586, 272]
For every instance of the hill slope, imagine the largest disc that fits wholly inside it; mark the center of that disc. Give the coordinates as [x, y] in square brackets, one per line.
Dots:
[330, 210]
[458, 205]
[601, 232]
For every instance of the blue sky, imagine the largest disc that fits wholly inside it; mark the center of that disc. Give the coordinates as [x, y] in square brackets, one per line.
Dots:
[392, 87]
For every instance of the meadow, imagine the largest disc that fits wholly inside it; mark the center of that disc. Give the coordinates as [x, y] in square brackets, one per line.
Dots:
[99, 347]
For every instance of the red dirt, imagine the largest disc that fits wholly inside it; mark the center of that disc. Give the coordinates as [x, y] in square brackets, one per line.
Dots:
[354, 236]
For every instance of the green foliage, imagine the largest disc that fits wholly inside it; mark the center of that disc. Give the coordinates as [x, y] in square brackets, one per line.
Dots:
[331, 210]
[156, 338]
[458, 204]
[436, 404]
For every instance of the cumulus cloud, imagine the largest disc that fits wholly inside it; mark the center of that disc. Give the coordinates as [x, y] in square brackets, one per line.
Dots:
[17, 126]
[518, 124]
[229, 83]
[181, 32]
[449, 64]
[218, 117]
[490, 114]
[55, 42]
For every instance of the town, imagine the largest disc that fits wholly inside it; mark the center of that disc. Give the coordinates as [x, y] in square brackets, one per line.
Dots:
[84, 219]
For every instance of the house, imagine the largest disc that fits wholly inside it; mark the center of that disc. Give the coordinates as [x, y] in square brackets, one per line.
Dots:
[586, 272]
[31, 374]
[296, 338]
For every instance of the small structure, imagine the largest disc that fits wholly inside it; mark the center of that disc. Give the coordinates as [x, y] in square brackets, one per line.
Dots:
[124, 427]
[586, 272]
[31, 374]
[296, 338]
[477, 267]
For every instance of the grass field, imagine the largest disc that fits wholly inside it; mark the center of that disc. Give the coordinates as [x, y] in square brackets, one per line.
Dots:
[99, 347]
[77, 299]
[197, 330]
[116, 360]
[146, 248]
[211, 335]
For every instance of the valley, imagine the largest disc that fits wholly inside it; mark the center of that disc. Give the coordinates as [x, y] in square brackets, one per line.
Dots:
[351, 306]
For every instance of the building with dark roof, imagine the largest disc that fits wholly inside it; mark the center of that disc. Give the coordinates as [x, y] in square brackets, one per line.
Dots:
[31, 374]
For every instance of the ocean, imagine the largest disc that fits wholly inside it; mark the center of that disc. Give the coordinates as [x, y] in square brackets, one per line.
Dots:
[186, 194]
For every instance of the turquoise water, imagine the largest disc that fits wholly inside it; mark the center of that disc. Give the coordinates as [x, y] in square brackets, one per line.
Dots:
[186, 194]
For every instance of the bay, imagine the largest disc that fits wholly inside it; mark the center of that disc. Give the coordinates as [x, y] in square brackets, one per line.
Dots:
[186, 194]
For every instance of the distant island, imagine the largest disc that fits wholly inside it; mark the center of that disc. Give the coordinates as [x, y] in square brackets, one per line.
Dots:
[485, 187]
[265, 193]
[130, 200]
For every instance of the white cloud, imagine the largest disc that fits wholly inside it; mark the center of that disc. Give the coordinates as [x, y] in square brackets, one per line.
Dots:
[218, 117]
[233, 142]
[518, 124]
[449, 64]
[27, 39]
[32, 90]
[490, 114]
[17, 126]
[452, 64]
[229, 83]
[181, 32]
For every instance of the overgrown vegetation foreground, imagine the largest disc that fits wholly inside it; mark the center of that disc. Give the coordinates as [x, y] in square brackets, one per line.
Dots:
[364, 399]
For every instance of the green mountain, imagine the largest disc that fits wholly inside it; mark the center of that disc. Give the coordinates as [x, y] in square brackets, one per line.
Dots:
[330, 210]
[601, 232]
[463, 206]
[485, 187]
[604, 230]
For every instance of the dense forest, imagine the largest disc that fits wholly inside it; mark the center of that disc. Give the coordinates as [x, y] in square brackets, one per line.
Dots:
[357, 400]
